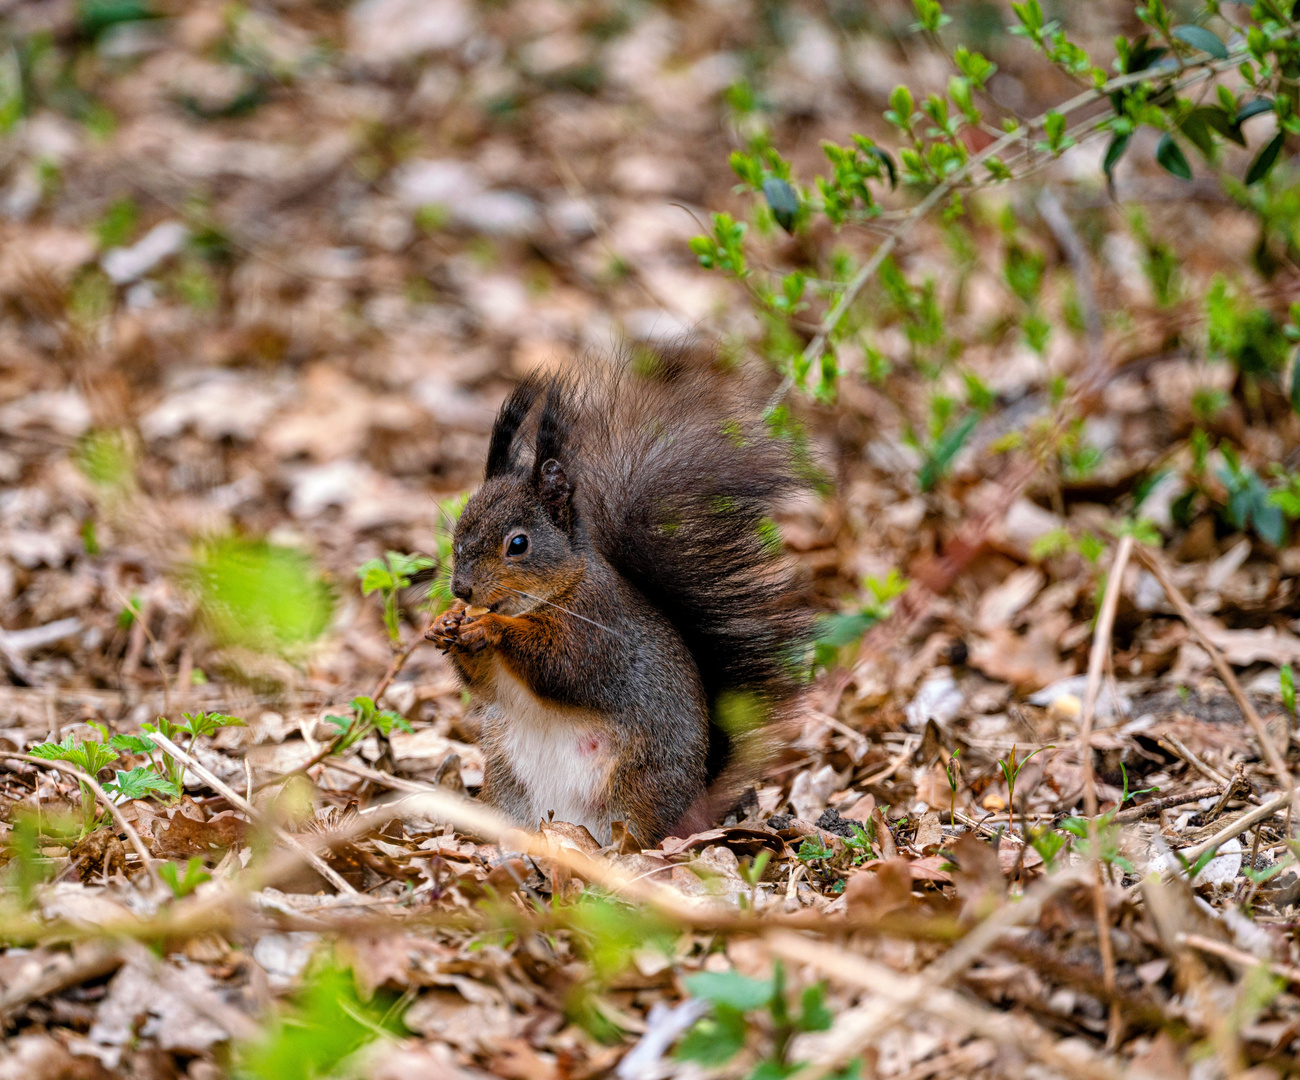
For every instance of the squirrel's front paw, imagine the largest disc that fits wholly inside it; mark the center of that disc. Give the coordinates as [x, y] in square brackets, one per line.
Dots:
[477, 634]
[445, 630]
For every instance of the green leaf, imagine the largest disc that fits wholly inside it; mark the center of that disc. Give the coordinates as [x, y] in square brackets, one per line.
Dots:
[132, 744]
[783, 200]
[195, 875]
[813, 1013]
[261, 596]
[1265, 159]
[1171, 157]
[1114, 151]
[140, 782]
[730, 988]
[374, 576]
[716, 1039]
[1253, 108]
[1200, 38]
[1286, 679]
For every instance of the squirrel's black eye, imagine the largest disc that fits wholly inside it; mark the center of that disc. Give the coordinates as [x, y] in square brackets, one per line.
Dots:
[517, 545]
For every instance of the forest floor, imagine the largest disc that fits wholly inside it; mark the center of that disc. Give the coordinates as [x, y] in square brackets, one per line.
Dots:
[266, 273]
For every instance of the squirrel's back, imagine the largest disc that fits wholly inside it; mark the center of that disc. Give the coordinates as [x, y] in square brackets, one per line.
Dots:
[678, 475]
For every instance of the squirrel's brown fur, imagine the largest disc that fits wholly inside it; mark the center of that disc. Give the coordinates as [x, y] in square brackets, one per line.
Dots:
[649, 612]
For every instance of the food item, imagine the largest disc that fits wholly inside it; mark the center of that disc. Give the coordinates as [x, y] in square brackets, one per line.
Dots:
[475, 612]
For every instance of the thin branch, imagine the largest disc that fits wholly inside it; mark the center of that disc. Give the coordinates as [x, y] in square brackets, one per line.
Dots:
[1096, 663]
[812, 353]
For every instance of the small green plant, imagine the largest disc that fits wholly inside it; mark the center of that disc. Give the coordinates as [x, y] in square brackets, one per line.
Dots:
[860, 841]
[118, 223]
[27, 867]
[366, 717]
[1048, 843]
[387, 576]
[91, 757]
[733, 998]
[1108, 832]
[313, 1036]
[440, 597]
[106, 458]
[837, 631]
[607, 934]
[180, 884]
[193, 724]
[1286, 679]
[1011, 767]
[1250, 503]
[752, 872]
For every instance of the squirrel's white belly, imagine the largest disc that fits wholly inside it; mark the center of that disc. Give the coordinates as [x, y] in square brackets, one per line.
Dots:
[561, 759]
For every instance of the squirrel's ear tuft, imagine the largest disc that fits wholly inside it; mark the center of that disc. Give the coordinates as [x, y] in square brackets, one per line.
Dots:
[501, 450]
[555, 491]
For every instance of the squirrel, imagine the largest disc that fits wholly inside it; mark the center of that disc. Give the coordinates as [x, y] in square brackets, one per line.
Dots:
[625, 619]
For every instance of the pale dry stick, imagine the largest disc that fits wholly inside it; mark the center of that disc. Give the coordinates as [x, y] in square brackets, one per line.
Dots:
[1195, 762]
[851, 1042]
[1272, 755]
[984, 827]
[1076, 253]
[1096, 662]
[1237, 956]
[1239, 825]
[900, 994]
[396, 783]
[71, 770]
[479, 820]
[237, 800]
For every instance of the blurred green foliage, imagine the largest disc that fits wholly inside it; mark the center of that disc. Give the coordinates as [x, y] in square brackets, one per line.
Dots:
[261, 596]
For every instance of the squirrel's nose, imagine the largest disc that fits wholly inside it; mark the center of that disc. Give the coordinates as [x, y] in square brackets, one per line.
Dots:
[461, 588]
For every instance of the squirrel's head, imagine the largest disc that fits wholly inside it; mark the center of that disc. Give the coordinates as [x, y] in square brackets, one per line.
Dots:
[514, 545]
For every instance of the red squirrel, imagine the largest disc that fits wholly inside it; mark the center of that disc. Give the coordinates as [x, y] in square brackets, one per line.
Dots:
[625, 619]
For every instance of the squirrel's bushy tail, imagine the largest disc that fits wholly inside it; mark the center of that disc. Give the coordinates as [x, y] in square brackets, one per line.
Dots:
[678, 475]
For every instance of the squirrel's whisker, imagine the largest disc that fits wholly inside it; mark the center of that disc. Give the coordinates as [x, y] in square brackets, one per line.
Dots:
[543, 600]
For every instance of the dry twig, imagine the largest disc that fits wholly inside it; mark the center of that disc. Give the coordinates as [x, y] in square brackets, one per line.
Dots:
[1096, 664]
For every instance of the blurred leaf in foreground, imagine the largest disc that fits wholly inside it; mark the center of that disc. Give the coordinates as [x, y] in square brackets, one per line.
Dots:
[259, 595]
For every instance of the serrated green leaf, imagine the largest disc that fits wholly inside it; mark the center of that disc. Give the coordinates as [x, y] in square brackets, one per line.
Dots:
[1200, 38]
[139, 782]
[133, 744]
[1265, 159]
[1170, 157]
